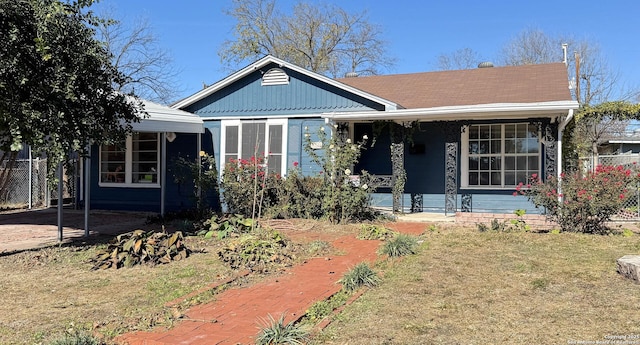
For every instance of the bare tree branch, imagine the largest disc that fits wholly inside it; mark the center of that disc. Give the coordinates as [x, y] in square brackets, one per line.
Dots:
[325, 39]
[136, 53]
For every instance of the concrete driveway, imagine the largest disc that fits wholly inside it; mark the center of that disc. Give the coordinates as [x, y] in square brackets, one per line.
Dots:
[30, 229]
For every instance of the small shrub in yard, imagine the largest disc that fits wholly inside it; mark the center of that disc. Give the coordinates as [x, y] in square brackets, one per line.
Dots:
[513, 225]
[76, 338]
[258, 252]
[375, 232]
[248, 188]
[361, 275]
[586, 202]
[400, 245]
[226, 226]
[278, 332]
[139, 247]
[322, 309]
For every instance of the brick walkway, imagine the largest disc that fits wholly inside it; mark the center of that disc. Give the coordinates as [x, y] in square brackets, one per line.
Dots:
[233, 318]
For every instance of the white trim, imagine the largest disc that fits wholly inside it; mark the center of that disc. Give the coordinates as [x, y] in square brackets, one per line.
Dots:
[260, 117]
[463, 112]
[128, 167]
[464, 158]
[165, 119]
[268, 122]
[281, 63]
[637, 141]
[275, 76]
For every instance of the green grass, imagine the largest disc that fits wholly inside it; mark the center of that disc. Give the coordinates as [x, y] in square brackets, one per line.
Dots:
[497, 288]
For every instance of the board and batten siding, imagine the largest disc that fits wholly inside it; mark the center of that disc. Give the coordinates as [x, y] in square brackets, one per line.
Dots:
[248, 98]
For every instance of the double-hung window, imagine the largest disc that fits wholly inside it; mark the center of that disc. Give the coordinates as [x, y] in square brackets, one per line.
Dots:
[499, 155]
[133, 163]
[243, 139]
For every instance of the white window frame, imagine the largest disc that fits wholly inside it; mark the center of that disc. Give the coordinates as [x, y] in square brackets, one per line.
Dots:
[464, 164]
[128, 169]
[268, 122]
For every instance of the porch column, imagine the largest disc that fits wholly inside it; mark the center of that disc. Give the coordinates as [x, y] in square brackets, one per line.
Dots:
[549, 139]
[452, 134]
[399, 176]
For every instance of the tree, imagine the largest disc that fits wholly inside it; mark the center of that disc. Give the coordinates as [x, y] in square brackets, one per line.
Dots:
[57, 83]
[602, 121]
[465, 58]
[596, 81]
[135, 52]
[324, 39]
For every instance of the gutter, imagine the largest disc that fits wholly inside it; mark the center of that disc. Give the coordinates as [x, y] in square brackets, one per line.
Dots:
[561, 128]
[468, 112]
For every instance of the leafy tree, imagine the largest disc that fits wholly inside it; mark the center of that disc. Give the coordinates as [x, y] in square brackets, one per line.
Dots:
[324, 39]
[135, 51]
[57, 84]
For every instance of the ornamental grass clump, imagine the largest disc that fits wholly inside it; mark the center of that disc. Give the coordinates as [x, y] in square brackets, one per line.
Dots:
[361, 275]
[400, 245]
[586, 201]
[278, 332]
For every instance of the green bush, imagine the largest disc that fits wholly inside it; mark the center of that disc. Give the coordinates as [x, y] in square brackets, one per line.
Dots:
[375, 232]
[278, 332]
[259, 251]
[586, 202]
[76, 338]
[247, 187]
[360, 275]
[226, 226]
[400, 245]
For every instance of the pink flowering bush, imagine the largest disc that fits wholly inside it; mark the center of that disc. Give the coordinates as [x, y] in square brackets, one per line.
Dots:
[586, 201]
[247, 188]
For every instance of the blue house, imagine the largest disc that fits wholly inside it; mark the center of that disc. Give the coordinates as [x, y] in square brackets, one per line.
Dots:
[474, 134]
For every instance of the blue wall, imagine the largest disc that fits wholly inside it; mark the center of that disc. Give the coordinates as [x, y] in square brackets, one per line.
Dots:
[178, 196]
[303, 95]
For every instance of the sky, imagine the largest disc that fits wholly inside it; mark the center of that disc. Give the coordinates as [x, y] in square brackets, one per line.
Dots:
[417, 31]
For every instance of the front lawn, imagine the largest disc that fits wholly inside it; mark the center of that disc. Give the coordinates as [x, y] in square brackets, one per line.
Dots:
[469, 287]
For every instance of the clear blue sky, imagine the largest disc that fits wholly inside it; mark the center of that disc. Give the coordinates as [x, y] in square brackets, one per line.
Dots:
[418, 31]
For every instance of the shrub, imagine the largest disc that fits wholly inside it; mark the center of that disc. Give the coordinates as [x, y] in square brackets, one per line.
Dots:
[375, 232]
[248, 188]
[76, 338]
[400, 245]
[343, 197]
[226, 226]
[278, 332]
[138, 247]
[322, 309]
[586, 202]
[360, 275]
[258, 252]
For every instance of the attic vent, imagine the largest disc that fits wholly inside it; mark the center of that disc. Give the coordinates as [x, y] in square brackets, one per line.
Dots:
[485, 64]
[351, 74]
[275, 76]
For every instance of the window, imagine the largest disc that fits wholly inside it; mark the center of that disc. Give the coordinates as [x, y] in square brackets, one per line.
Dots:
[132, 163]
[246, 139]
[499, 156]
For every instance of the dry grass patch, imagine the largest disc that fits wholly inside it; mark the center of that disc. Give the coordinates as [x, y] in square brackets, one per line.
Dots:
[47, 291]
[497, 288]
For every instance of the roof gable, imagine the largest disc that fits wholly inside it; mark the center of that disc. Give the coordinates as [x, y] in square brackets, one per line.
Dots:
[513, 84]
[263, 65]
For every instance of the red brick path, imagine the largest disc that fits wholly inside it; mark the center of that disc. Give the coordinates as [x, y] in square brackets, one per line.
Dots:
[233, 318]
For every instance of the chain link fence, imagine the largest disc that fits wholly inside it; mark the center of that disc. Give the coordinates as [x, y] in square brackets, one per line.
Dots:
[27, 185]
[631, 210]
